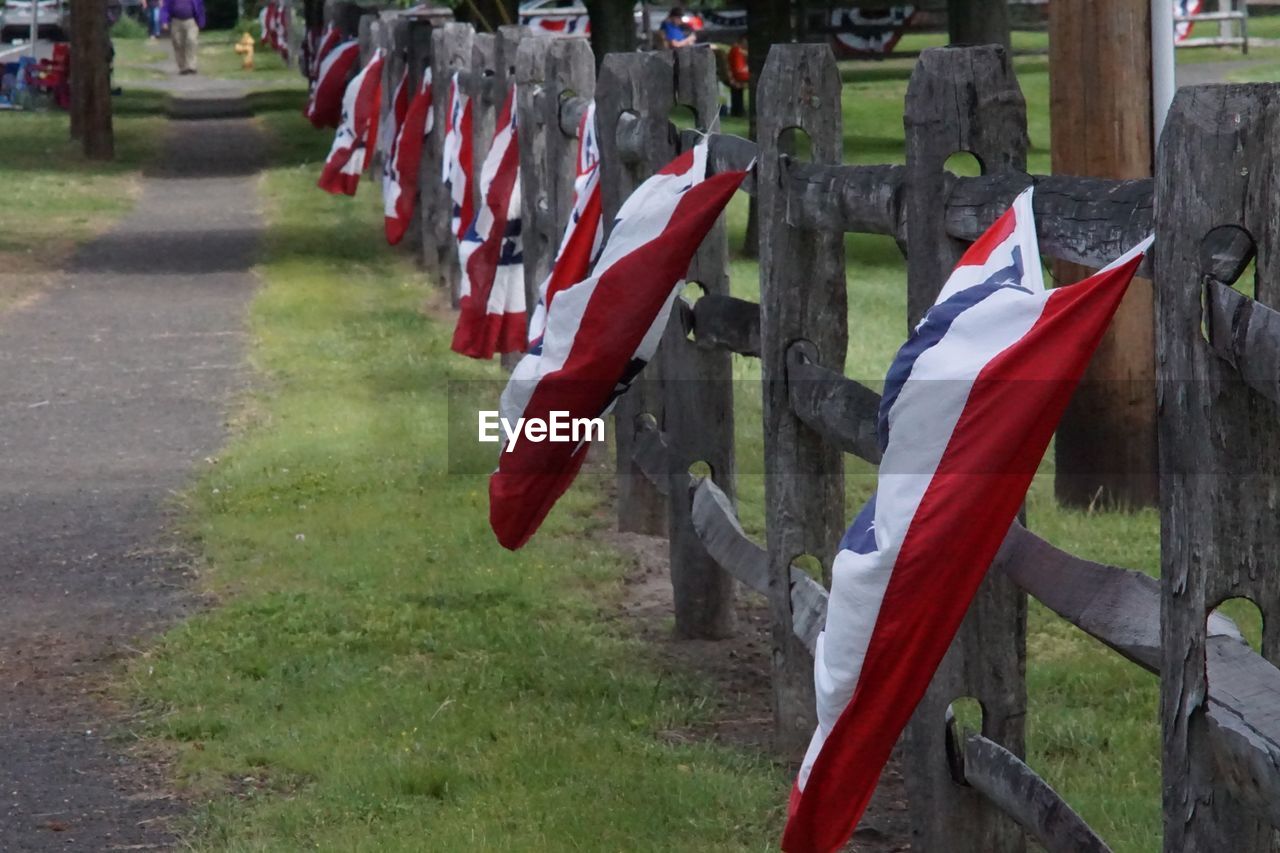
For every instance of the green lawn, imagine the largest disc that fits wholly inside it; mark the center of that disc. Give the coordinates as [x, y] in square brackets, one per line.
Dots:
[381, 675]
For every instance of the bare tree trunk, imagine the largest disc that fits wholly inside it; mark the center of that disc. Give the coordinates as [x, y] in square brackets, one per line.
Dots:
[613, 27]
[92, 70]
[768, 23]
[978, 21]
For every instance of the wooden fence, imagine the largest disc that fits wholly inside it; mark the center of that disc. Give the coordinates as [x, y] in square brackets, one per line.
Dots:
[1218, 372]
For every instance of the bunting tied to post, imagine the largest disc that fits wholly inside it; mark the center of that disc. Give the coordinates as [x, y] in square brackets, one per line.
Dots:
[969, 406]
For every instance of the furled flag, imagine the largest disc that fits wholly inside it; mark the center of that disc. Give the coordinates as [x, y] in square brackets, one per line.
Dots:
[970, 403]
[280, 35]
[584, 231]
[324, 105]
[1184, 9]
[601, 332]
[329, 38]
[266, 22]
[357, 133]
[392, 116]
[456, 161]
[491, 311]
[400, 171]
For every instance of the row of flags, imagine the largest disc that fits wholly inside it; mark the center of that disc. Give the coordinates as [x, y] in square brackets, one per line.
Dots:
[970, 402]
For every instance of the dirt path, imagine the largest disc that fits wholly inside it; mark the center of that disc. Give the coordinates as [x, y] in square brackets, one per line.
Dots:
[112, 390]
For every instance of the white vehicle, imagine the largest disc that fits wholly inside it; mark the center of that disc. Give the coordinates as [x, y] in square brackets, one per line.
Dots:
[52, 20]
[562, 17]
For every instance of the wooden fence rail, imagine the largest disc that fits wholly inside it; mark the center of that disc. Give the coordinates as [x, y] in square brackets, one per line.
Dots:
[1219, 377]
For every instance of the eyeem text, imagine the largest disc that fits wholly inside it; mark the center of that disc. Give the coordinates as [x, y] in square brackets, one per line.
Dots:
[559, 427]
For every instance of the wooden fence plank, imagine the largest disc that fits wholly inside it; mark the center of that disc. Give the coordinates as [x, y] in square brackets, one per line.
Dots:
[843, 411]
[1246, 334]
[697, 390]
[717, 320]
[802, 297]
[548, 70]
[450, 52]
[962, 100]
[1219, 457]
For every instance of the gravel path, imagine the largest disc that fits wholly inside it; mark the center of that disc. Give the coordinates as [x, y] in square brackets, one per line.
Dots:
[112, 390]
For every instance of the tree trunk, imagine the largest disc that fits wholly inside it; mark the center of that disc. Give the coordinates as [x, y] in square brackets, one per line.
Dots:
[91, 92]
[613, 27]
[1100, 106]
[769, 22]
[978, 21]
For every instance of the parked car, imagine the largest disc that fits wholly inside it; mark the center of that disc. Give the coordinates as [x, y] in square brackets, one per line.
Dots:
[570, 17]
[52, 20]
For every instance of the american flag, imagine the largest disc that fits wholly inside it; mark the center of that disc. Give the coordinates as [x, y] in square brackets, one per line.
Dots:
[324, 105]
[457, 157]
[600, 332]
[583, 233]
[491, 315]
[400, 170]
[970, 403]
[357, 133]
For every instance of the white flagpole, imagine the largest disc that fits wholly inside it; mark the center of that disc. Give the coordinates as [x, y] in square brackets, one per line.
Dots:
[1162, 64]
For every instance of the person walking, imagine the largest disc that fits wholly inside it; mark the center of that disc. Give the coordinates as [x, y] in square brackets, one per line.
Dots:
[184, 19]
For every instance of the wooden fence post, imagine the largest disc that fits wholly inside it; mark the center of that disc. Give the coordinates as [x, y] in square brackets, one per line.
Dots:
[368, 36]
[1219, 454]
[539, 129]
[697, 391]
[393, 37]
[802, 297]
[962, 99]
[547, 70]
[450, 52]
[637, 85]
[418, 38]
[479, 85]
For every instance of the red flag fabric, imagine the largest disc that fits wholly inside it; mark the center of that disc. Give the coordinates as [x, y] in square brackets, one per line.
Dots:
[324, 106]
[584, 232]
[491, 316]
[457, 158]
[357, 132]
[600, 333]
[400, 171]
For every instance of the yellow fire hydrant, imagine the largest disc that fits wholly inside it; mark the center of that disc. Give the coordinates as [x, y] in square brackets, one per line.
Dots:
[244, 47]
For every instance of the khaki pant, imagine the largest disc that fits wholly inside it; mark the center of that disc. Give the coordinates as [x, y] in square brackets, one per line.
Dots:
[186, 38]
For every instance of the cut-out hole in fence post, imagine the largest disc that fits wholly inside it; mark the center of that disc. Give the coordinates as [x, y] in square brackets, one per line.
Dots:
[1247, 618]
[963, 164]
[963, 717]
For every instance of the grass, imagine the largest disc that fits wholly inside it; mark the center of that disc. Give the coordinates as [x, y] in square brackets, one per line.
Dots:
[54, 198]
[381, 675]
[140, 61]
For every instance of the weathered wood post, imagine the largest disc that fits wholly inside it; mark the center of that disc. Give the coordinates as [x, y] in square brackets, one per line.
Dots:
[802, 297]
[368, 36]
[479, 84]
[697, 391]
[345, 17]
[962, 99]
[393, 37]
[417, 46]
[634, 95]
[450, 52]
[547, 71]
[1219, 453]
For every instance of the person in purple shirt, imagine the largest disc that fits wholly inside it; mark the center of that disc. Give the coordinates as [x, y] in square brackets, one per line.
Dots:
[184, 19]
